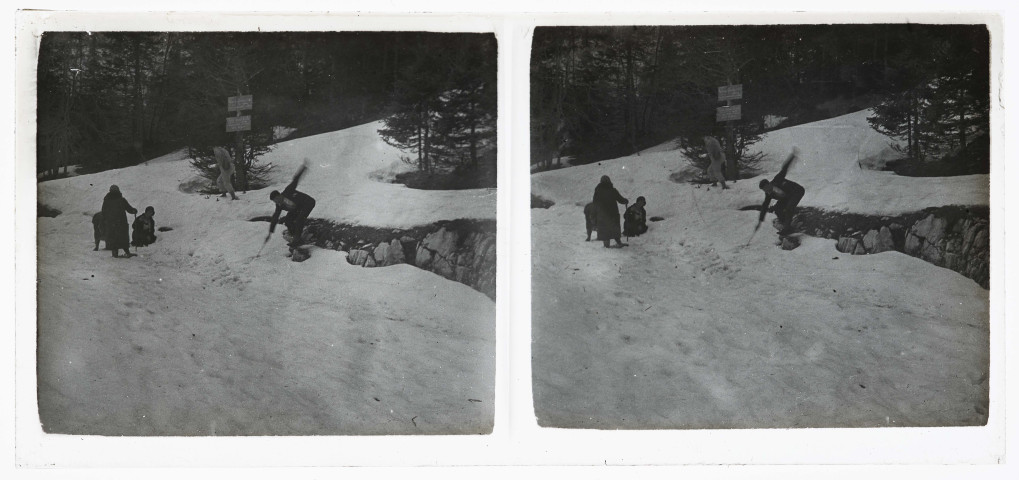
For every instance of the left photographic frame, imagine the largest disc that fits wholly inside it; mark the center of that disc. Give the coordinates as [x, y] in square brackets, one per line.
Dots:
[320, 253]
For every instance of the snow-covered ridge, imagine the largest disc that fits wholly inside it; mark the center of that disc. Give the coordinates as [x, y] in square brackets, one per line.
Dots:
[342, 163]
[829, 167]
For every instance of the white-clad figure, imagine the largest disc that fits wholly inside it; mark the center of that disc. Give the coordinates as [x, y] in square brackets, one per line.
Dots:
[226, 170]
[717, 160]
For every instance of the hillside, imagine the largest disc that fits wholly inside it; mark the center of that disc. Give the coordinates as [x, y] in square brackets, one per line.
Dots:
[691, 326]
[202, 335]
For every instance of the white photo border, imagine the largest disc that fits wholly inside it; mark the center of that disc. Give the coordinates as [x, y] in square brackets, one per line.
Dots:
[516, 439]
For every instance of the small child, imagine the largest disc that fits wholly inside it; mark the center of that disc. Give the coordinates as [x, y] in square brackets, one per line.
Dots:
[635, 219]
[144, 228]
[98, 229]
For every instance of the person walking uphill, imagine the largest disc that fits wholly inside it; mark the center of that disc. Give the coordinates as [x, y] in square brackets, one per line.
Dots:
[115, 210]
[605, 198]
[226, 170]
[717, 158]
[787, 194]
[298, 206]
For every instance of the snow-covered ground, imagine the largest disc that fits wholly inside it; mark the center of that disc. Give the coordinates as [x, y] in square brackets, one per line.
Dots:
[692, 327]
[199, 336]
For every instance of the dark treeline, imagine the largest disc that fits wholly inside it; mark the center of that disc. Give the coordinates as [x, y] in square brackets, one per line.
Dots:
[455, 128]
[604, 92]
[114, 99]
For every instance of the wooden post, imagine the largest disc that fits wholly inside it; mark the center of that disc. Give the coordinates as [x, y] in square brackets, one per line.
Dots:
[731, 164]
[239, 164]
[241, 123]
[729, 114]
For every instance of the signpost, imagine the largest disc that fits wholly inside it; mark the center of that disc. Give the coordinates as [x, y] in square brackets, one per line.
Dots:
[238, 103]
[730, 92]
[238, 124]
[728, 114]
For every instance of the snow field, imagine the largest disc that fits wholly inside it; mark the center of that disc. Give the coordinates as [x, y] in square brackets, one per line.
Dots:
[199, 336]
[691, 327]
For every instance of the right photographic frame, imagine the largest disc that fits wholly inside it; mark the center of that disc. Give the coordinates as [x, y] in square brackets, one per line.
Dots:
[761, 226]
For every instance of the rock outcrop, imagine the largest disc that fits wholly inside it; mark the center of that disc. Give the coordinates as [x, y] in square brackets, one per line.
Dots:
[953, 237]
[962, 245]
[460, 250]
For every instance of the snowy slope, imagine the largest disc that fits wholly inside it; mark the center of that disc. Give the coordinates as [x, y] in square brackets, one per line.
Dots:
[690, 327]
[199, 336]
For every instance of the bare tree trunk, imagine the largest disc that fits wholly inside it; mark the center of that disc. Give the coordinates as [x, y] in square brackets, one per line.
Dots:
[914, 145]
[731, 163]
[962, 118]
[62, 155]
[629, 84]
[241, 163]
[420, 146]
[731, 159]
[427, 147]
[241, 173]
[160, 103]
[137, 110]
[911, 129]
[656, 58]
[474, 146]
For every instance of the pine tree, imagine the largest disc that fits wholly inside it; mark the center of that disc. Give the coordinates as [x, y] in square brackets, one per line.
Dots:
[941, 97]
[466, 114]
[222, 67]
[444, 102]
[415, 100]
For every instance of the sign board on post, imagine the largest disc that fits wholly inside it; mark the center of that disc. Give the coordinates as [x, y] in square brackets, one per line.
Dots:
[238, 103]
[725, 114]
[238, 124]
[730, 92]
